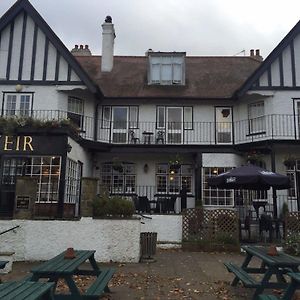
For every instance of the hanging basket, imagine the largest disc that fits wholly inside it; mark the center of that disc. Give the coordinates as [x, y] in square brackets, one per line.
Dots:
[290, 163]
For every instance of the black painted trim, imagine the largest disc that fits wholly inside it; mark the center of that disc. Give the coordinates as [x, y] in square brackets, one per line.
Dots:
[277, 88]
[269, 76]
[69, 73]
[34, 51]
[269, 60]
[281, 74]
[45, 59]
[22, 46]
[11, 37]
[293, 63]
[57, 65]
[24, 5]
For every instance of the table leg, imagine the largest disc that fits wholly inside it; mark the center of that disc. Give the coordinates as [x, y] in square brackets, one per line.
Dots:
[94, 263]
[264, 283]
[244, 265]
[75, 293]
[290, 291]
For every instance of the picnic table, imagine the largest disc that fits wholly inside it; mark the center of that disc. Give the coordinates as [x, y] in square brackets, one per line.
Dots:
[60, 267]
[26, 290]
[289, 292]
[270, 265]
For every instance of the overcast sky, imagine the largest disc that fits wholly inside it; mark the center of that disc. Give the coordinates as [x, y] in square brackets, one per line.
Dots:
[199, 27]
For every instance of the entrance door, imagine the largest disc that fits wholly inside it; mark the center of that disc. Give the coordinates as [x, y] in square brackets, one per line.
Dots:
[174, 125]
[223, 125]
[120, 124]
[11, 167]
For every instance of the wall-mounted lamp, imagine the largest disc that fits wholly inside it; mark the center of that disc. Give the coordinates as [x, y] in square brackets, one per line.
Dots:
[69, 148]
[215, 171]
[19, 88]
[146, 168]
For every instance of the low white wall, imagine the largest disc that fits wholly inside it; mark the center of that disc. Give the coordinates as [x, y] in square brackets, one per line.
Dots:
[113, 240]
[168, 228]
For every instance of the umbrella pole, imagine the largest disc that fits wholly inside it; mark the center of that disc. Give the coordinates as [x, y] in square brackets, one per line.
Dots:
[275, 214]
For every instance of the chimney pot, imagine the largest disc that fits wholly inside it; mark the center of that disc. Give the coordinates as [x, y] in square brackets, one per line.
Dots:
[86, 47]
[257, 52]
[81, 47]
[76, 46]
[252, 52]
[108, 19]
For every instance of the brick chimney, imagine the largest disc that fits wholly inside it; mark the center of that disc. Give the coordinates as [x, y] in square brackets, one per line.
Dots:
[108, 37]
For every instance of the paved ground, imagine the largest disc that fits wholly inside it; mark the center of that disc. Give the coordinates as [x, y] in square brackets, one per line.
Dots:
[174, 275]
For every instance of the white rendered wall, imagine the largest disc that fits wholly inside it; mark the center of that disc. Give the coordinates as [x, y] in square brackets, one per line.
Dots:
[168, 228]
[113, 240]
[221, 160]
[78, 153]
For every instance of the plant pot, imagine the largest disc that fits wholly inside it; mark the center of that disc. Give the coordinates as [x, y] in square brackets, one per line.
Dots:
[118, 168]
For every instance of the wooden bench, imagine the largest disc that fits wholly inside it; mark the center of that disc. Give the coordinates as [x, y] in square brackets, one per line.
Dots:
[242, 275]
[25, 290]
[100, 285]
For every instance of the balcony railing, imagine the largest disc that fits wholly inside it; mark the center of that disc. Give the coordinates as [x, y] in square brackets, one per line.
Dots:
[270, 127]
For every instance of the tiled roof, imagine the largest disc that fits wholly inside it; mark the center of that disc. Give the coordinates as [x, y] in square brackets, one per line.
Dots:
[206, 77]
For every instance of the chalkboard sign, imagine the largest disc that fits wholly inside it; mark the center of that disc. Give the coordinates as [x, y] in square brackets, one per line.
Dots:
[23, 202]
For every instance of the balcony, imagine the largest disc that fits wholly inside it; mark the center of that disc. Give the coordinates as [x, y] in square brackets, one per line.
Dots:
[269, 127]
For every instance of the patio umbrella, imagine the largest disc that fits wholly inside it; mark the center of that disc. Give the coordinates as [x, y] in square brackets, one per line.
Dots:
[250, 177]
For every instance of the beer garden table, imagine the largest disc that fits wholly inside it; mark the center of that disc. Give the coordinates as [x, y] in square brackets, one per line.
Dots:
[277, 265]
[60, 267]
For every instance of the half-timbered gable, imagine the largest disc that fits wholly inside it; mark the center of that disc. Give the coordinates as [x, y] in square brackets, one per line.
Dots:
[31, 53]
[281, 69]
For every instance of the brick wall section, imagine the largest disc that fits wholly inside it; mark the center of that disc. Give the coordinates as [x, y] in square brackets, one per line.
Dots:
[88, 193]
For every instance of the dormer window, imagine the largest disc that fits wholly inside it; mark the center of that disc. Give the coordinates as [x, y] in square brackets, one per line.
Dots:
[166, 68]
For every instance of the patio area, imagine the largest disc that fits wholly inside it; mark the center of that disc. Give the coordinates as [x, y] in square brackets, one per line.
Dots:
[174, 275]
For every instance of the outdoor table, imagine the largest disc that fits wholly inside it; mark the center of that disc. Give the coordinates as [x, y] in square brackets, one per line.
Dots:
[147, 136]
[270, 265]
[26, 290]
[60, 267]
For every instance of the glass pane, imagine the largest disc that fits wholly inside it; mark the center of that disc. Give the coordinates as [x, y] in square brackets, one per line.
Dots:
[155, 73]
[161, 117]
[177, 73]
[11, 103]
[133, 117]
[166, 73]
[174, 118]
[188, 118]
[120, 117]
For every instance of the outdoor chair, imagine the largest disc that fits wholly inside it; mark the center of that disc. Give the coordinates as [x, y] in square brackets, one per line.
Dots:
[171, 204]
[160, 137]
[143, 204]
[133, 138]
[265, 224]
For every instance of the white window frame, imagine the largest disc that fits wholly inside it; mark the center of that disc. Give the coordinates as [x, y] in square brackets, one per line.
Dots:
[18, 108]
[76, 111]
[256, 116]
[160, 64]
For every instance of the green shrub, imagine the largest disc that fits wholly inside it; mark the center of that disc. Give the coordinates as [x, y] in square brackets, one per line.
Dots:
[112, 206]
[292, 243]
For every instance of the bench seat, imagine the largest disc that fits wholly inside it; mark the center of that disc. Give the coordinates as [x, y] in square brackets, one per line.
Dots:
[25, 290]
[100, 285]
[267, 297]
[242, 275]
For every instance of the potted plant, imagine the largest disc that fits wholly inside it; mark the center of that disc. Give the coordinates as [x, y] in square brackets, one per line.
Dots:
[254, 157]
[289, 161]
[117, 165]
[175, 162]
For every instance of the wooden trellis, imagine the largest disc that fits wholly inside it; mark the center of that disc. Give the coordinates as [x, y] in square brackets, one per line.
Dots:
[200, 224]
[293, 222]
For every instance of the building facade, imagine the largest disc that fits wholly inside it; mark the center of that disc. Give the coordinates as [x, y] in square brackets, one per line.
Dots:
[154, 126]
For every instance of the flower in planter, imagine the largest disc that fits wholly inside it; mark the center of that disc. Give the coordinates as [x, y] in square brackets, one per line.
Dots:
[289, 161]
[254, 157]
[175, 163]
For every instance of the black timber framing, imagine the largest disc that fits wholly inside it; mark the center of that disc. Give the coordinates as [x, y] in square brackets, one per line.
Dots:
[22, 46]
[26, 7]
[285, 42]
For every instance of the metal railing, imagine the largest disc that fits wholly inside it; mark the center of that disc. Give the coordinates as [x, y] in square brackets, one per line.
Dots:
[269, 127]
